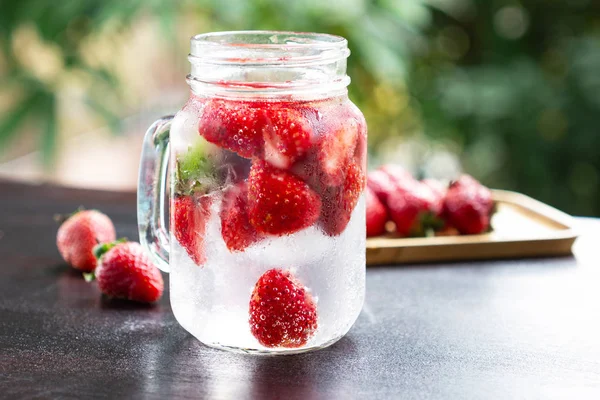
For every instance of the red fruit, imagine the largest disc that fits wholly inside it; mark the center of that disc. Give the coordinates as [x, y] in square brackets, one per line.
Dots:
[398, 175]
[282, 312]
[414, 209]
[339, 201]
[381, 184]
[125, 271]
[438, 187]
[468, 205]
[377, 214]
[236, 229]
[360, 152]
[78, 235]
[335, 151]
[287, 135]
[279, 202]
[189, 216]
[232, 125]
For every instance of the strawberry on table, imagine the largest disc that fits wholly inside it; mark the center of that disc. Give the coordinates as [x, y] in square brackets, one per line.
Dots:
[468, 205]
[125, 271]
[279, 202]
[236, 229]
[282, 312]
[377, 214]
[339, 201]
[189, 217]
[78, 235]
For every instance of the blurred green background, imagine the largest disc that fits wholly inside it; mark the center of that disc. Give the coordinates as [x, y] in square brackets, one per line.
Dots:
[508, 91]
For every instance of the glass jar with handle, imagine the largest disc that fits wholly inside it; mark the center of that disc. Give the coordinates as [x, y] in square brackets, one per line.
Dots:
[266, 245]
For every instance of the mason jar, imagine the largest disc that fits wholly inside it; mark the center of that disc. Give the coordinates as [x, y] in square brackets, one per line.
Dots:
[266, 244]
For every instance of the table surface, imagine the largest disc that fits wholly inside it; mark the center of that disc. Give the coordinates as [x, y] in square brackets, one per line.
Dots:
[495, 329]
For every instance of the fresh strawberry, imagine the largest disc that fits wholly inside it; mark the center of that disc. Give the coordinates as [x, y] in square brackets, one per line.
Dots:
[78, 235]
[339, 201]
[381, 184]
[236, 229]
[360, 152]
[414, 209]
[279, 202]
[438, 187]
[377, 214]
[335, 151]
[401, 177]
[282, 312]
[287, 135]
[233, 125]
[189, 216]
[125, 271]
[468, 205]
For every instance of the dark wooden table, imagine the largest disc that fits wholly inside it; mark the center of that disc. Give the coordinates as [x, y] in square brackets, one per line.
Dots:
[481, 330]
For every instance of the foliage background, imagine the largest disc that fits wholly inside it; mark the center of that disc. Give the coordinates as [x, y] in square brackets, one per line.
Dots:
[508, 91]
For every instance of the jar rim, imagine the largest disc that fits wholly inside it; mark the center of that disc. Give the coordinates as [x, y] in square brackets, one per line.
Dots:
[268, 63]
[293, 39]
[267, 47]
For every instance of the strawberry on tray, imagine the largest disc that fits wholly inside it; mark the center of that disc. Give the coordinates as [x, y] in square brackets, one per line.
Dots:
[412, 221]
[429, 207]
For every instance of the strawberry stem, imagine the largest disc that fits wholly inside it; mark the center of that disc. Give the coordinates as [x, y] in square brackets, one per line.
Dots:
[60, 218]
[101, 248]
[89, 276]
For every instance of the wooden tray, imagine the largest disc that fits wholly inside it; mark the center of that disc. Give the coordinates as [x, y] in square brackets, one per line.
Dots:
[522, 227]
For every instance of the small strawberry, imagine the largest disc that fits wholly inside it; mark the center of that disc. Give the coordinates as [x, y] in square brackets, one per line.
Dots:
[125, 271]
[414, 209]
[287, 136]
[335, 150]
[279, 202]
[377, 214]
[468, 205]
[381, 184]
[236, 229]
[339, 201]
[189, 216]
[438, 187]
[78, 235]
[282, 312]
[401, 177]
[233, 125]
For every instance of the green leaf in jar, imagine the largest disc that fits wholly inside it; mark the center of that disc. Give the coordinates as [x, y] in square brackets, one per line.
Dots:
[195, 171]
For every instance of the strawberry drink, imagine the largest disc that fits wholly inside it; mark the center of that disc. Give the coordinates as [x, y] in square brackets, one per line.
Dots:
[266, 248]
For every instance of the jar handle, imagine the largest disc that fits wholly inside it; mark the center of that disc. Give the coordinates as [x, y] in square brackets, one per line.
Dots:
[151, 192]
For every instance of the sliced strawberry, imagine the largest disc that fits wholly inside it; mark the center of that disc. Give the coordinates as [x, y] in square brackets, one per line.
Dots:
[233, 125]
[287, 135]
[188, 223]
[335, 150]
[339, 201]
[282, 312]
[236, 229]
[279, 202]
[468, 205]
[377, 214]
